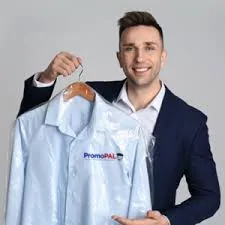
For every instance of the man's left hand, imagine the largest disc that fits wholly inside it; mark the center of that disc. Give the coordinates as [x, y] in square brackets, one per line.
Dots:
[152, 218]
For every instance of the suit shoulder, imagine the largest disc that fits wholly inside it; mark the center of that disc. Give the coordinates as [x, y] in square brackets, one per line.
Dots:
[107, 89]
[187, 111]
[105, 84]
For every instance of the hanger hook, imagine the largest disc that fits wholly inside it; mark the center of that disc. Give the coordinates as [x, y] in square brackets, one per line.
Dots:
[82, 69]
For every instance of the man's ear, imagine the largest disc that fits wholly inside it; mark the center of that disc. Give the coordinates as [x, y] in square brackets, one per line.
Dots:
[163, 58]
[119, 58]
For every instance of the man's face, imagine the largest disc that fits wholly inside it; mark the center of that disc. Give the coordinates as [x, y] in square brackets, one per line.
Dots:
[141, 55]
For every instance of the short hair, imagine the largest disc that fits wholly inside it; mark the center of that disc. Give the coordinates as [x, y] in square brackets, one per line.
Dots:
[136, 18]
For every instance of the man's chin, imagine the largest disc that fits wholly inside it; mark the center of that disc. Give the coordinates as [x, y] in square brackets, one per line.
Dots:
[140, 83]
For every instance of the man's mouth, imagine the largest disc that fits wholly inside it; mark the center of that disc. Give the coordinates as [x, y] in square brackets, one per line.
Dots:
[141, 69]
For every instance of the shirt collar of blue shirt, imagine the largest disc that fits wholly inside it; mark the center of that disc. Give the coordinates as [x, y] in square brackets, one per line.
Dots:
[103, 115]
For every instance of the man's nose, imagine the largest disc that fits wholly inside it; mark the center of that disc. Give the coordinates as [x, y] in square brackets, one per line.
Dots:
[139, 56]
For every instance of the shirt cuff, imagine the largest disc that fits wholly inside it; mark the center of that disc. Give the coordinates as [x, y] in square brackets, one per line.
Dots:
[167, 219]
[39, 84]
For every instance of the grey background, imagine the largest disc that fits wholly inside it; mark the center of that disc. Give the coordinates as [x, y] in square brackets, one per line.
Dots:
[32, 32]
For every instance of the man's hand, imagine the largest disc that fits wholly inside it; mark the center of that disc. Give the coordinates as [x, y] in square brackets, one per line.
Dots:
[63, 64]
[152, 218]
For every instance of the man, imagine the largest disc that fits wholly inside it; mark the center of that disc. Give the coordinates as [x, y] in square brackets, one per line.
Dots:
[182, 144]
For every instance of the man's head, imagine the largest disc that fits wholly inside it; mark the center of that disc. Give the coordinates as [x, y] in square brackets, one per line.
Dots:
[141, 49]
[137, 18]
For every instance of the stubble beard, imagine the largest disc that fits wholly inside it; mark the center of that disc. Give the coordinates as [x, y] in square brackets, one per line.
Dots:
[144, 84]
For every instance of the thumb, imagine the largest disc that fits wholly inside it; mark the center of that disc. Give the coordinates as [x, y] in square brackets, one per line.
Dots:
[153, 214]
[121, 220]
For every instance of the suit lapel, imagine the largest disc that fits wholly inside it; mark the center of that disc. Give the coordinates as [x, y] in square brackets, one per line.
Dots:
[114, 90]
[164, 143]
[164, 121]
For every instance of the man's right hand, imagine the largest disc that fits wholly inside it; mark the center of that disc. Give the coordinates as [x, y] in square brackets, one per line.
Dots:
[63, 64]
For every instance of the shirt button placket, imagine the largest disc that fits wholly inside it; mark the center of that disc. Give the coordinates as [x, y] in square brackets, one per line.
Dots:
[70, 185]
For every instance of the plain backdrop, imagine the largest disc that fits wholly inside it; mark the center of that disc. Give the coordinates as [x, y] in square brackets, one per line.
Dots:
[33, 32]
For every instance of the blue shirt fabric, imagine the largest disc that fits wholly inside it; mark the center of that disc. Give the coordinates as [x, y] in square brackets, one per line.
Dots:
[77, 162]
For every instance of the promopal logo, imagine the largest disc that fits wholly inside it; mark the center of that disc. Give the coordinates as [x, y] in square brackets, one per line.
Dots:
[104, 156]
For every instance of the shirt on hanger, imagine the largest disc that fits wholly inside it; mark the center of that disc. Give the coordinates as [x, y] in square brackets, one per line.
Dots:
[77, 162]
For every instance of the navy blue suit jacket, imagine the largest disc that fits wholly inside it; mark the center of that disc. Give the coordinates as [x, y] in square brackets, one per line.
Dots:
[182, 149]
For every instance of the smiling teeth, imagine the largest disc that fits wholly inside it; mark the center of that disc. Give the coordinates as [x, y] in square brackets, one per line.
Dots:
[141, 69]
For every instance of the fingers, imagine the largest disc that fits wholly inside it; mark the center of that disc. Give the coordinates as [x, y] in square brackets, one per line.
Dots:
[125, 221]
[158, 217]
[154, 214]
[60, 70]
[64, 64]
[152, 218]
[79, 60]
[76, 59]
[68, 65]
[121, 220]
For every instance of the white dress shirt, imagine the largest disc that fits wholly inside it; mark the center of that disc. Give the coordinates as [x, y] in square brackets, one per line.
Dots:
[147, 116]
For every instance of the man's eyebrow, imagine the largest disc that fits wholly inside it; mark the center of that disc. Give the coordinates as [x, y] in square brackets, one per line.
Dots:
[128, 44]
[146, 43]
[151, 43]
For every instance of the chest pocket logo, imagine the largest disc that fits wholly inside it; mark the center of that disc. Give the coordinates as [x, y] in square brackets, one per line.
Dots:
[103, 156]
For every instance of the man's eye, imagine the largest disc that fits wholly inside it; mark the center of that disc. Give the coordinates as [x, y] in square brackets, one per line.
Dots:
[127, 49]
[150, 48]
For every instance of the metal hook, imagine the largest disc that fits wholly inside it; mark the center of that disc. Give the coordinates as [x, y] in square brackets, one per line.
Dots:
[82, 69]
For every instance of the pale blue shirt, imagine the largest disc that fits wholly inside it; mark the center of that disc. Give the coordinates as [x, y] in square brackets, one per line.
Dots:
[77, 162]
[147, 116]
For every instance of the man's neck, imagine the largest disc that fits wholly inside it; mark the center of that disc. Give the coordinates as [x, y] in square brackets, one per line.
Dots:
[141, 97]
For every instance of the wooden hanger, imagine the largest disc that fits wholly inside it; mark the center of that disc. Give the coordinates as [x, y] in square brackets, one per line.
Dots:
[79, 89]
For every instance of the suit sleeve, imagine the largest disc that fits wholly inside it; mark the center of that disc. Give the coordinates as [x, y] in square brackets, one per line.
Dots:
[34, 96]
[202, 180]
[16, 179]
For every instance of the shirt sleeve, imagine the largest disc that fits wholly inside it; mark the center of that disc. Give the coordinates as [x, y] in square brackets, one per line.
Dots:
[16, 179]
[39, 84]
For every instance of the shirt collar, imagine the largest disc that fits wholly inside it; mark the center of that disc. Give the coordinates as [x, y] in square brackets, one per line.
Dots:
[103, 115]
[155, 104]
